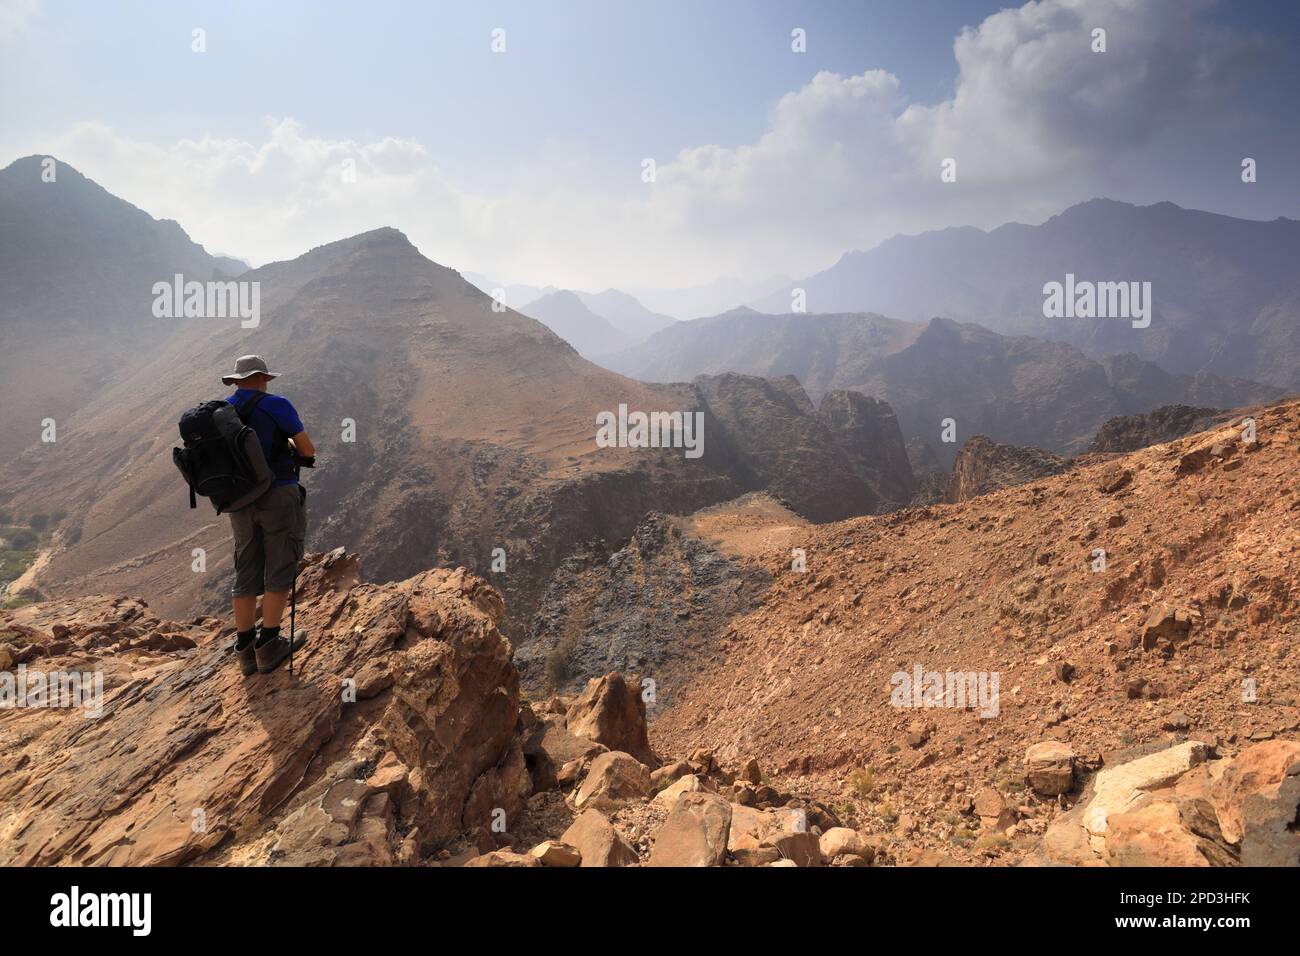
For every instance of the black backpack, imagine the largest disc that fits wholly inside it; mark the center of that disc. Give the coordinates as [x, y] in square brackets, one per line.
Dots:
[222, 459]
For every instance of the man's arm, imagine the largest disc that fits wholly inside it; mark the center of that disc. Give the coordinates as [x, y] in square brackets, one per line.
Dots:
[302, 445]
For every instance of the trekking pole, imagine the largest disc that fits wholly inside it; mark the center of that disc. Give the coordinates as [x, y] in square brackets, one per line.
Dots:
[293, 608]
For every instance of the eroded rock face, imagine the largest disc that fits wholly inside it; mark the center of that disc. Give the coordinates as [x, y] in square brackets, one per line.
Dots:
[770, 430]
[867, 431]
[1126, 433]
[983, 466]
[412, 679]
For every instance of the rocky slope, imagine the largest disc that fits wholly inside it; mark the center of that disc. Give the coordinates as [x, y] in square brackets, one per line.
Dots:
[1128, 603]
[658, 604]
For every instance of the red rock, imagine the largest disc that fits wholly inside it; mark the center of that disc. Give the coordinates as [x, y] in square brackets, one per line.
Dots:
[611, 712]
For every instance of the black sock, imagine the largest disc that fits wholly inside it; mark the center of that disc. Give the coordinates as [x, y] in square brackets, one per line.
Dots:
[244, 638]
[268, 635]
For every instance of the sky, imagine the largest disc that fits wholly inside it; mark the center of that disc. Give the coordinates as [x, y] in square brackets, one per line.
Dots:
[299, 123]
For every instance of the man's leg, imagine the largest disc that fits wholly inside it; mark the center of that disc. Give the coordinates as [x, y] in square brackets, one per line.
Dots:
[283, 520]
[273, 603]
[246, 611]
[250, 560]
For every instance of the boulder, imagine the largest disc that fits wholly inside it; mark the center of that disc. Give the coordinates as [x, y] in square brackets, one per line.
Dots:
[991, 807]
[749, 828]
[1049, 767]
[695, 832]
[842, 841]
[504, 858]
[667, 797]
[1117, 789]
[611, 712]
[1174, 832]
[614, 779]
[1166, 628]
[556, 853]
[669, 773]
[1257, 799]
[597, 842]
[792, 840]
[549, 747]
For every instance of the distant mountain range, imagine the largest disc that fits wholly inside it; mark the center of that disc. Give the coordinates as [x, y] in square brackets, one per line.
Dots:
[565, 314]
[1015, 389]
[1225, 291]
[594, 323]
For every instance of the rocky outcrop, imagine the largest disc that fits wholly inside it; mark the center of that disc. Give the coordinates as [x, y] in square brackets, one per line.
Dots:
[611, 712]
[1126, 433]
[1257, 802]
[652, 607]
[395, 733]
[1180, 807]
[984, 466]
[770, 431]
[867, 431]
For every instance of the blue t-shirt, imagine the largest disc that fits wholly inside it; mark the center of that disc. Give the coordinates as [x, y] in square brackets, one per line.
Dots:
[271, 411]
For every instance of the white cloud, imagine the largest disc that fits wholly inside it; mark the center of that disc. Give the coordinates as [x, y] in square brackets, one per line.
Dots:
[1036, 121]
[15, 15]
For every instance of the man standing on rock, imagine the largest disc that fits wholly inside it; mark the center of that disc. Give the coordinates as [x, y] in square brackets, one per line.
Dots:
[269, 533]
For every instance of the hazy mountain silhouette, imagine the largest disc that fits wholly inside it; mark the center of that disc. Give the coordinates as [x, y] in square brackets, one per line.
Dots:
[565, 314]
[710, 298]
[1014, 389]
[1225, 291]
[77, 265]
[625, 313]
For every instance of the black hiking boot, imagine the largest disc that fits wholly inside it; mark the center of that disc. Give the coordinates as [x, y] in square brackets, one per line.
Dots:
[272, 649]
[244, 650]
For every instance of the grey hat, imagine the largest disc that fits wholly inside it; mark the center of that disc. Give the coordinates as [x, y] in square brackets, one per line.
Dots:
[245, 366]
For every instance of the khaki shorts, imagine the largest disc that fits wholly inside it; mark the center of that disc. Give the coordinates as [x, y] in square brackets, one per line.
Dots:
[269, 538]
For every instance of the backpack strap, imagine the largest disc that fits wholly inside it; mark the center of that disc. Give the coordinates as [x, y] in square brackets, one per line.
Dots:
[279, 439]
[246, 410]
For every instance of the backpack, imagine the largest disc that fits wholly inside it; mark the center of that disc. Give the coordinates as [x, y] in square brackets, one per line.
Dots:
[222, 458]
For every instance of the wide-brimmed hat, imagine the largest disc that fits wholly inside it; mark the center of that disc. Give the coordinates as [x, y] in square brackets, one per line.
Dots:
[245, 367]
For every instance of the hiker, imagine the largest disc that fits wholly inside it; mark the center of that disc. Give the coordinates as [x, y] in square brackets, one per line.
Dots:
[270, 532]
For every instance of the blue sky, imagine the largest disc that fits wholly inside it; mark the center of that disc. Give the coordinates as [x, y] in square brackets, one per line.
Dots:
[526, 165]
